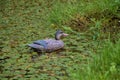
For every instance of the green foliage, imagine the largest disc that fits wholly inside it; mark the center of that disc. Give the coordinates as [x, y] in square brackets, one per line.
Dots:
[95, 29]
[63, 11]
[104, 66]
[22, 22]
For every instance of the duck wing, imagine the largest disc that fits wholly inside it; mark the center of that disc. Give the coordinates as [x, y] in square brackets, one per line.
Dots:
[35, 46]
[41, 42]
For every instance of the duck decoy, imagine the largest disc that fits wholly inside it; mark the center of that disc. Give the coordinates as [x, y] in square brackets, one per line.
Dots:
[49, 45]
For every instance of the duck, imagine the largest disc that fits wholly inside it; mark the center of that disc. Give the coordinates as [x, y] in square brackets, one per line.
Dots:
[49, 45]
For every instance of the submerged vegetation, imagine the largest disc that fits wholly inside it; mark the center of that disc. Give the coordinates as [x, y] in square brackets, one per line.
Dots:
[91, 51]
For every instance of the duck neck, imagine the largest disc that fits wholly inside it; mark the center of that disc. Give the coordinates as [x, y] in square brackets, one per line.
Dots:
[57, 37]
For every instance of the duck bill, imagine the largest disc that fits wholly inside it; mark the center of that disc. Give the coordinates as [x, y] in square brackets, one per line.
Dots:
[64, 34]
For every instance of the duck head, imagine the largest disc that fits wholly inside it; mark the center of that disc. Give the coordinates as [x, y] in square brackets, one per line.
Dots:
[60, 34]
